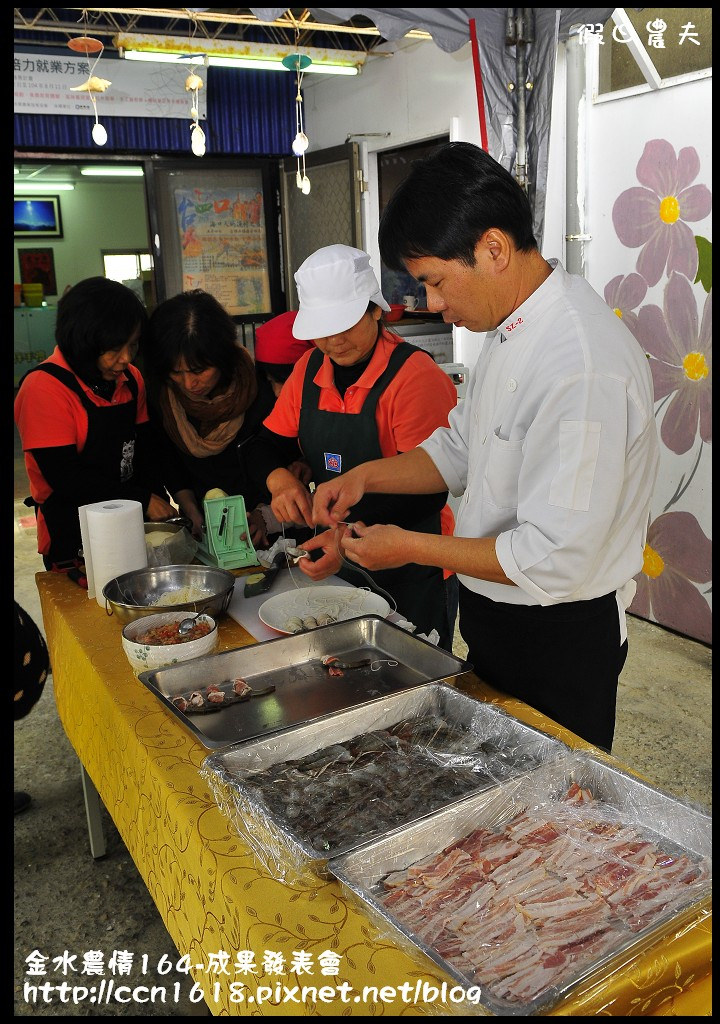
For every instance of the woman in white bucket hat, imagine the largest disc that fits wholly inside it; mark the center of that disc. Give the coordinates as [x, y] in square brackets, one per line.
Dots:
[361, 393]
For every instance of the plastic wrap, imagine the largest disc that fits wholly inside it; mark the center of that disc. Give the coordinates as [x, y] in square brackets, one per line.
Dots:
[320, 789]
[548, 886]
[177, 548]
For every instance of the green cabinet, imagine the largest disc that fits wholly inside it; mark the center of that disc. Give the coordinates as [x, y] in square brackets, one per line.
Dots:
[34, 337]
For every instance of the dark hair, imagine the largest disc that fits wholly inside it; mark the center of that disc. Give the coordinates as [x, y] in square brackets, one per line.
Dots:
[446, 204]
[195, 327]
[95, 316]
[278, 372]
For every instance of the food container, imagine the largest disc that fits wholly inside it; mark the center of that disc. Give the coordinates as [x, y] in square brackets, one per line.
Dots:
[320, 789]
[570, 895]
[304, 690]
[18, 294]
[144, 656]
[33, 294]
[189, 588]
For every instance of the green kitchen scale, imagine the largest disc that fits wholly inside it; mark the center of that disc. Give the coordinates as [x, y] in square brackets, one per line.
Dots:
[226, 535]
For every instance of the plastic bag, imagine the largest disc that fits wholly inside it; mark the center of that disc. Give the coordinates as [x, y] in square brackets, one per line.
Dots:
[178, 548]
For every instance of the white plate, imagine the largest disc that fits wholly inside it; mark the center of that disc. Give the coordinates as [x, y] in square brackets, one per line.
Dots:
[340, 602]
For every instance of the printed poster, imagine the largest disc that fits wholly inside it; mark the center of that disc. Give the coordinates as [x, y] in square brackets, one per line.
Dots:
[43, 85]
[223, 246]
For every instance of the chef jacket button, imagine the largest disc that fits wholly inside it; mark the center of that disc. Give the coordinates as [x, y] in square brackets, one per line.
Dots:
[512, 384]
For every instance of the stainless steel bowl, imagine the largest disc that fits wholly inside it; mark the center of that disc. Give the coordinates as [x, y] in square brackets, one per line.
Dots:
[141, 592]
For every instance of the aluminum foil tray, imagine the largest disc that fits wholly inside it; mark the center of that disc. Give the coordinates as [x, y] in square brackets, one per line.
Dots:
[303, 689]
[676, 828]
[323, 788]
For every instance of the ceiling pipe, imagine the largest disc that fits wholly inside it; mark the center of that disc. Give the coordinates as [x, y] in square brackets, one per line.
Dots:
[520, 32]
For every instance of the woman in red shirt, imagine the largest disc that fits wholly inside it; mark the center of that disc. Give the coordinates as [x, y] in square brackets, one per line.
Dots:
[361, 393]
[82, 414]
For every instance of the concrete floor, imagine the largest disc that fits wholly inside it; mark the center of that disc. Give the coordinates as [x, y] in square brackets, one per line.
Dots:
[663, 733]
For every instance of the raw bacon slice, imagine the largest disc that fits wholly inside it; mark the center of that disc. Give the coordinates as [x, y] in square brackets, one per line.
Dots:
[538, 902]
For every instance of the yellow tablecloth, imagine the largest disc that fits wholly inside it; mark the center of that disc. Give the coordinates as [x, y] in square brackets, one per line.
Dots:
[214, 896]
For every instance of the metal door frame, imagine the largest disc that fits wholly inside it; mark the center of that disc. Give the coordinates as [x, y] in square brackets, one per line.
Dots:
[350, 152]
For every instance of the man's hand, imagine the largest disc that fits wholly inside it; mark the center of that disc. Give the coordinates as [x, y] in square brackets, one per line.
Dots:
[334, 499]
[377, 547]
[291, 500]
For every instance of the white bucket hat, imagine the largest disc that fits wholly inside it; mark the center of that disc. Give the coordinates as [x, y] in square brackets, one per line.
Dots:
[335, 286]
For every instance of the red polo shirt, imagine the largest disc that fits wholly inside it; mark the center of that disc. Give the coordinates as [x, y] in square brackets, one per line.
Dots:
[49, 415]
[418, 399]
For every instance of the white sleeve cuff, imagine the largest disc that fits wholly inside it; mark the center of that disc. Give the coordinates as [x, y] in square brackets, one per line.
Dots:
[503, 551]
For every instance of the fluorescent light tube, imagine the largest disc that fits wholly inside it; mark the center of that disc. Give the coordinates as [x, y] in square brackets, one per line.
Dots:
[247, 63]
[113, 172]
[49, 186]
[160, 58]
[258, 64]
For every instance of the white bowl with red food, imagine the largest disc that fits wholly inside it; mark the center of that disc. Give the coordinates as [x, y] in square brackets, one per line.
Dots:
[154, 642]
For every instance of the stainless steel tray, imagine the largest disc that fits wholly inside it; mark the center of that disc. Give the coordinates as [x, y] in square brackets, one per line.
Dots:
[303, 689]
[489, 745]
[676, 827]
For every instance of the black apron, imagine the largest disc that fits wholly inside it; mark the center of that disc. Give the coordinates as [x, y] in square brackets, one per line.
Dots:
[109, 451]
[335, 442]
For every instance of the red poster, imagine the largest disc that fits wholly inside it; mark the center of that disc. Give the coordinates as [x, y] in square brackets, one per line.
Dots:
[37, 266]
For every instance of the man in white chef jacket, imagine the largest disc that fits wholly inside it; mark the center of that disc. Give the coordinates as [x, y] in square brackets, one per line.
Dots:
[554, 449]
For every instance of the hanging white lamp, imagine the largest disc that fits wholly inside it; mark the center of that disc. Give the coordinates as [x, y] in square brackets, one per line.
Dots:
[298, 62]
[93, 84]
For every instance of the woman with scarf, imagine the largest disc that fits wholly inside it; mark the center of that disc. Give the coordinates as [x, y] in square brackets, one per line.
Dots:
[206, 400]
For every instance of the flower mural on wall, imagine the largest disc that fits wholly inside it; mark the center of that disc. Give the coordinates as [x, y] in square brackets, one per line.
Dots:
[674, 587]
[677, 556]
[624, 295]
[681, 363]
[655, 215]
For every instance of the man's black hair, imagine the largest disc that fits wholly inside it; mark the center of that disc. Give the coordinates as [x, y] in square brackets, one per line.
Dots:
[447, 203]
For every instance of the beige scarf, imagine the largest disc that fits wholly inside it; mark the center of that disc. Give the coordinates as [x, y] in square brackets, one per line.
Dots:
[220, 418]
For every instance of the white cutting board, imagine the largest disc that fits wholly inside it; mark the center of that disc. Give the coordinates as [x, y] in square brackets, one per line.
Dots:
[245, 609]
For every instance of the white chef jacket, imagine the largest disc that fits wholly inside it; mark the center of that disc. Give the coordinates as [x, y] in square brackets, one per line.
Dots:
[555, 449]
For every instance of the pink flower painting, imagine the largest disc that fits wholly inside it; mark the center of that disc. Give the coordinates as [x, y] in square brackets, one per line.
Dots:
[681, 363]
[677, 556]
[624, 295]
[656, 215]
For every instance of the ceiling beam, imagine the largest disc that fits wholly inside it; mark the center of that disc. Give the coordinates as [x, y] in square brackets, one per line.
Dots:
[284, 21]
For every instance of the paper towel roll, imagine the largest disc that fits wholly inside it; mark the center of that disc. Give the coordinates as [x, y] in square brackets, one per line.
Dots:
[113, 538]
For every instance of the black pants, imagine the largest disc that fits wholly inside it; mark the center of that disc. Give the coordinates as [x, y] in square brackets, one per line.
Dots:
[563, 659]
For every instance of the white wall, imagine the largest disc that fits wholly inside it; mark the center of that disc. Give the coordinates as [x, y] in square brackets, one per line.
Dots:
[95, 216]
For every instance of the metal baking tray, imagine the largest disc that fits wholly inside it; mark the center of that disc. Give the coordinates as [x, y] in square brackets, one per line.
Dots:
[303, 689]
[675, 826]
[462, 745]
